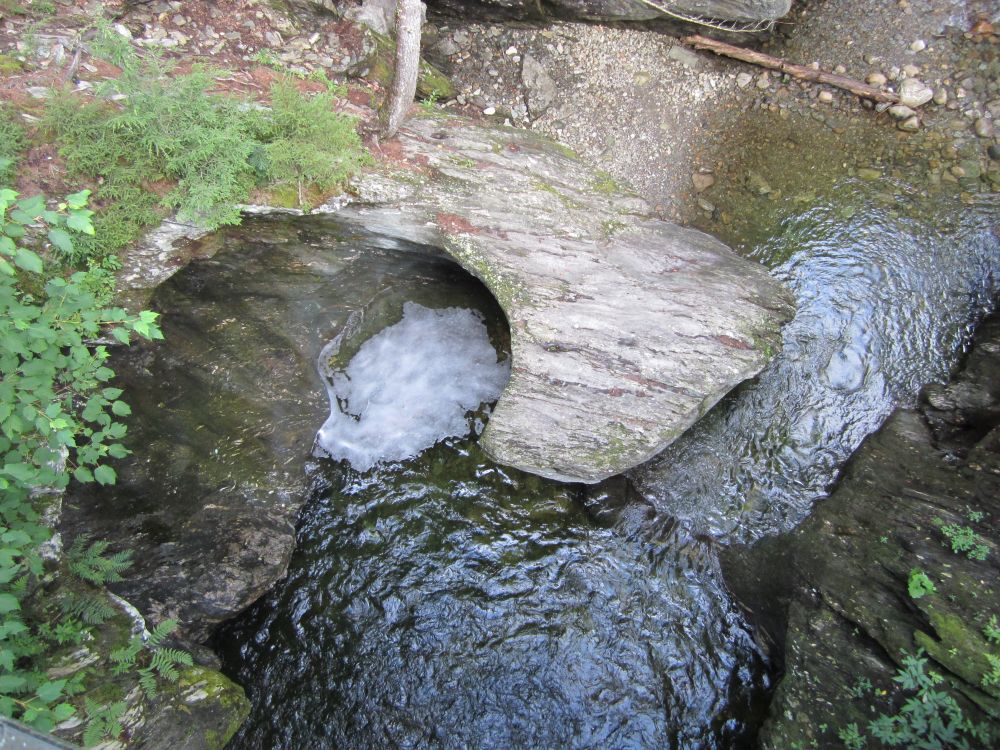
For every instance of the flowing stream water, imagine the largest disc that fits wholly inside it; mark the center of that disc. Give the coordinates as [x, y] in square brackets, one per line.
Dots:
[441, 600]
[445, 601]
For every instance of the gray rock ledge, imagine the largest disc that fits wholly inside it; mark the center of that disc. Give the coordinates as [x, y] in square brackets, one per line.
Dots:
[624, 329]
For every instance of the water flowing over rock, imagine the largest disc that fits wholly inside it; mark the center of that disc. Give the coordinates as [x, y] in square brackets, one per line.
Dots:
[624, 329]
[832, 595]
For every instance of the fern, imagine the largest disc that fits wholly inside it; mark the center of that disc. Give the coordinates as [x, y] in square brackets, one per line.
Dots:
[93, 609]
[160, 633]
[124, 658]
[88, 562]
[103, 722]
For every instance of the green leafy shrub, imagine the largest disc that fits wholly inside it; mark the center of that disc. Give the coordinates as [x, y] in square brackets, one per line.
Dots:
[965, 539]
[307, 143]
[170, 143]
[12, 142]
[151, 658]
[58, 418]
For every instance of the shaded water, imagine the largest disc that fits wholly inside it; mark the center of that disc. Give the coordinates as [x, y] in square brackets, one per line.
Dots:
[447, 602]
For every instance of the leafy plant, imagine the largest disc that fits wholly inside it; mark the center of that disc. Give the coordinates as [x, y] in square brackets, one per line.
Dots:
[103, 722]
[919, 585]
[307, 143]
[12, 142]
[929, 718]
[151, 658]
[58, 418]
[965, 539]
[88, 561]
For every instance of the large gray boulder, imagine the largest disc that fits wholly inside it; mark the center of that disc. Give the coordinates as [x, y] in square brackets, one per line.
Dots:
[624, 329]
[626, 10]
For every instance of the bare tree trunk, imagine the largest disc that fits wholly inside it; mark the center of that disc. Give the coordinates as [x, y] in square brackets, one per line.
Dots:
[404, 80]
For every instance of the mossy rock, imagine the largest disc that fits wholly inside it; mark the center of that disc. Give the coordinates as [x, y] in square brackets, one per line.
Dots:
[431, 82]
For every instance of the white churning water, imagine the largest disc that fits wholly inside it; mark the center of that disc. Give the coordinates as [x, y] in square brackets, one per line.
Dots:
[410, 385]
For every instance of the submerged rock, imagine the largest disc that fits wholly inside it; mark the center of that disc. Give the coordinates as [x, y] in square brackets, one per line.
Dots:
[624, 329]
[835, 597]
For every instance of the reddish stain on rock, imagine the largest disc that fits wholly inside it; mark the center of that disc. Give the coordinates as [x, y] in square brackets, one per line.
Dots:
[731, 342]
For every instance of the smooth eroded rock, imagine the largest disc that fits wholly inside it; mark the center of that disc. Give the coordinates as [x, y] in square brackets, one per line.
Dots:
[624, 329]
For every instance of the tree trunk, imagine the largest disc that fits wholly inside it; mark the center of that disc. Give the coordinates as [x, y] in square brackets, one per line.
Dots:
[404, 80]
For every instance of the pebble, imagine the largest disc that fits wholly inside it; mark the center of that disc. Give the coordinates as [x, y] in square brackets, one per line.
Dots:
[511, 51]
[868, 174]
[983, 128]
[490, 111]
[763, 81]
[919, 45]
[876, 79]
[911, 71]
[901, 112]
[38, 92]
[914, 93]
[994, 152]
[840, 70]
[941, 97]
[825, 96]
[743, 80]
[911, 125]
[702, 181]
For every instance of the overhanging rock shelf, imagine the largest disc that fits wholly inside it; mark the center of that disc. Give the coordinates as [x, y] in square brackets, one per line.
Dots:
[624, 329]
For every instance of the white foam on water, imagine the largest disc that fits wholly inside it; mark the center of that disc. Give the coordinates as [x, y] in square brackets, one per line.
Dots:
[411, 385]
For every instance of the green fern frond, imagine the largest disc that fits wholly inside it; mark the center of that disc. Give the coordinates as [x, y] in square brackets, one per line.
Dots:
[87, 561]
[160, 633]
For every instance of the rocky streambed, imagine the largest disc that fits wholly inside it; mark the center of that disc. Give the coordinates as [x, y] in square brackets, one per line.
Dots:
[447, 586]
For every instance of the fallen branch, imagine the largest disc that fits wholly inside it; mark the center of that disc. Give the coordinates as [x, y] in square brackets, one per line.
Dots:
[797, 71]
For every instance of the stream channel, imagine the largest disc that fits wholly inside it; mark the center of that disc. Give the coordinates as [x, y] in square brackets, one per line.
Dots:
[445, 601]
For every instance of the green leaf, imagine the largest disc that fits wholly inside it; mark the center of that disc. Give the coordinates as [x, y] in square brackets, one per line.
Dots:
[11, 683]
[49, 691]
[63, 711]
[8, 603]
[105, 475]
[83, 475]
[7, 245]
[79, 221]
[33, 206]
[61, 239]
[121, 408]
[78, 200]
[121, 334]
[27, 260]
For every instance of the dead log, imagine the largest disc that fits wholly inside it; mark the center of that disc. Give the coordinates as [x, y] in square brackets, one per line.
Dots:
[796, 71]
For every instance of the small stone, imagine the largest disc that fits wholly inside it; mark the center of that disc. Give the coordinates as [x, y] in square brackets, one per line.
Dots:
[983, 128]
[707, 206]
[868, 174]
[901, 112]
[911, 71]
[825, 96]
[919, 45]
[941, 97]
[914, 93]
[876, 79]
[642, 78]
[763, 80]
[702, 181]
[179, 20]
[490, 111]
[123, 30]
[994, 152]
[911, 125]
[957, 171]
[511, 51]
[743, 80]
[38, 92]
[840, 70]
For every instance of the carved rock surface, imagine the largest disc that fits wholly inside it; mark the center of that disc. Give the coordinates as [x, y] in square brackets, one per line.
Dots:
[624, 329]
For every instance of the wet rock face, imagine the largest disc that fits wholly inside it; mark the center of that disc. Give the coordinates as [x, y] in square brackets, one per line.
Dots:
[832, 597]
[624, 10]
